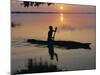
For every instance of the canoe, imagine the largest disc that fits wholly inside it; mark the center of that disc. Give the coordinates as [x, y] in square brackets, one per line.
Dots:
[62, 44]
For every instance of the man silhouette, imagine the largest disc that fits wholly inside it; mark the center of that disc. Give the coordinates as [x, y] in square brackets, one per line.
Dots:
[51, 43]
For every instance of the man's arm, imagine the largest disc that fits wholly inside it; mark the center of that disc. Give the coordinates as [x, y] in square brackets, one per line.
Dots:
[54, 32]
[55, 29]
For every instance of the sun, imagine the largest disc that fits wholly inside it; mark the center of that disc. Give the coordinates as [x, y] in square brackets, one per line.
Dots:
[61, 7]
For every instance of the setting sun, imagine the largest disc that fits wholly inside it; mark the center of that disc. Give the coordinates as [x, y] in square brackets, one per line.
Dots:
[61, 7]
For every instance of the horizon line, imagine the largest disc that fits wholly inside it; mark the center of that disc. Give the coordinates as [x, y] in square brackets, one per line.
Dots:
[22, 12]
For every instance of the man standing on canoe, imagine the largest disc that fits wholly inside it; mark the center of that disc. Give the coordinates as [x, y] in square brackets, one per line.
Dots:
[51, 35]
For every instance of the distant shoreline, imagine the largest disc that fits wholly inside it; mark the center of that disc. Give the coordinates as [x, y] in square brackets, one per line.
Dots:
[20, 12]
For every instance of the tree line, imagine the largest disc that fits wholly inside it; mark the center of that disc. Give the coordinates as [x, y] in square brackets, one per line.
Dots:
[35, 4]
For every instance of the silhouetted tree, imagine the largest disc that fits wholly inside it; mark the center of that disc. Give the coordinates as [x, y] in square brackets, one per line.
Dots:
[34, 4]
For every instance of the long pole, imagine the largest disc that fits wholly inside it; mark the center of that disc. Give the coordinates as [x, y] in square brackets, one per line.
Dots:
[54, 32]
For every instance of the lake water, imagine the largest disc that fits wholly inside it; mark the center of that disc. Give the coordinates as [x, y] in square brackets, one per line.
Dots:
[73, 27]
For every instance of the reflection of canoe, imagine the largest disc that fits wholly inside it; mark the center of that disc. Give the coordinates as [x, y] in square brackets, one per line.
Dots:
[62, 44]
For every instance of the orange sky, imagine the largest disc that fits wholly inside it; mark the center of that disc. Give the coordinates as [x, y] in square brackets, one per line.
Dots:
[72, 20]
[57, 7]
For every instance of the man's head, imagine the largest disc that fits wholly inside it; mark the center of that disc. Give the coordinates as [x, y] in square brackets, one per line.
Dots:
[50, 27]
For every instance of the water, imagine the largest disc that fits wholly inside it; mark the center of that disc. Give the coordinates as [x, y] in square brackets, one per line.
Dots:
[74, 27]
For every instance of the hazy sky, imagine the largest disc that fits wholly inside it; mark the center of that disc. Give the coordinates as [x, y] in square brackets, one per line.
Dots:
[16, 6]
[70, 21]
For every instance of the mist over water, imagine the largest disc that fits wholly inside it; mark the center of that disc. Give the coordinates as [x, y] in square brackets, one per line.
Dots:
[73, 27]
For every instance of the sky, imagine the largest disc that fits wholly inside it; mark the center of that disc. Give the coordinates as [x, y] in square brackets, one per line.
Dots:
[16, 6]
[69, 21]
